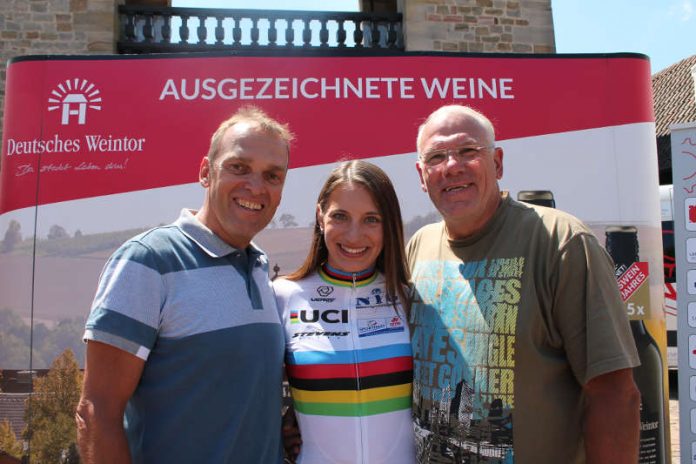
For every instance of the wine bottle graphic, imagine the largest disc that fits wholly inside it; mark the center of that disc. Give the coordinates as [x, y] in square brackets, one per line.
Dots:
[622, 245]
[537, 197]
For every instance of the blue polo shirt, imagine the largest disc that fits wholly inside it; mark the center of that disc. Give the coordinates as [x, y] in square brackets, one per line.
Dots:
[203, 317]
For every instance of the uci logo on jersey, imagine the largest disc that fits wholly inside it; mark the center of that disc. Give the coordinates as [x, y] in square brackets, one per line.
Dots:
[330, 316]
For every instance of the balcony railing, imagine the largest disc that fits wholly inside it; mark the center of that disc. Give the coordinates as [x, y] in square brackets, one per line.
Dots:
[148, 29]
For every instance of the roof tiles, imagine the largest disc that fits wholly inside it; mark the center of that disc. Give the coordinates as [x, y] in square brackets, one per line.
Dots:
[673, 93]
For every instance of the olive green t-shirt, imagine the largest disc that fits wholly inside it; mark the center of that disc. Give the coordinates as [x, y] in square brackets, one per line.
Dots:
[507, 326]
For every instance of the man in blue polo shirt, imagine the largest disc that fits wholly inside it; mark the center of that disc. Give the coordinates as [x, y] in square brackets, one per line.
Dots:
[184, 344]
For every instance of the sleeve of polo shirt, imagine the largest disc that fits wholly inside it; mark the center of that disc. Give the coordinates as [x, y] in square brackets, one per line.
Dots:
[282, 290]
[589, 312]
[126, 309]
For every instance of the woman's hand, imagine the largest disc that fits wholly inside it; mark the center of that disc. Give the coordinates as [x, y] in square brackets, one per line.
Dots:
[292, 440]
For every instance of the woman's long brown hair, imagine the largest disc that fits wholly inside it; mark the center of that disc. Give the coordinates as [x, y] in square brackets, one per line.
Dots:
[391, 262]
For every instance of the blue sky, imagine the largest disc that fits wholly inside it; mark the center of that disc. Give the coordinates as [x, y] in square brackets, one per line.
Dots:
[665, 30]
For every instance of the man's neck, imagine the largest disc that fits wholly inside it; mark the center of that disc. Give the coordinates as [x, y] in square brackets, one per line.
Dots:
[205, 217]
[467, 229]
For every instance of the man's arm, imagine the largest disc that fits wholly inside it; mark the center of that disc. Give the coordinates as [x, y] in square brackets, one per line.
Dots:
[612, 418]
[111, 376]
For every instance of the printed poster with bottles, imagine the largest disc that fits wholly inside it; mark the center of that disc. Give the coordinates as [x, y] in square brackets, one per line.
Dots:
[632, 276]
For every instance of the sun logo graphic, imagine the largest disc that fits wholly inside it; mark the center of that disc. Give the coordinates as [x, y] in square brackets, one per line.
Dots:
[73, 97]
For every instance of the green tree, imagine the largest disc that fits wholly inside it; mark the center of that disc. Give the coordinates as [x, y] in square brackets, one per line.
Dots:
[14, 341]
[417, 222]
[51, 413]
[56, 232]
[8, 440]
[287, 220]
[71, 456]
[13, 235]
[51, 342]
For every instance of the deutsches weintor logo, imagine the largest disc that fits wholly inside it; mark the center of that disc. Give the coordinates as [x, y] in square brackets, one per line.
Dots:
[73, 98]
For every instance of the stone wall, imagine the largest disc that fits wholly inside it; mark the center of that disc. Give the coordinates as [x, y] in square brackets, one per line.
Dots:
[40, 27]
[491, 26]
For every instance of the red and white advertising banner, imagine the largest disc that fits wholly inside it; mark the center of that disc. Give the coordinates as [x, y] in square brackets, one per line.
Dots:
[97, 148]
[92, 127]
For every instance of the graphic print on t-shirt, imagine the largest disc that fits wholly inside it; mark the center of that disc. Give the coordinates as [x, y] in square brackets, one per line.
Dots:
[463, 337]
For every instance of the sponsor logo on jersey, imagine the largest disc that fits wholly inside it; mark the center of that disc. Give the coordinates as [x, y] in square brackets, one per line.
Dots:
[377, 326]
[395, 322]
[330, 316]
[293, 317]
[377, 298]
[319, 333]
[324, 291]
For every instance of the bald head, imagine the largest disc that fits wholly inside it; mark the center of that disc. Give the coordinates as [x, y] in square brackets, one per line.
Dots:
[450, 117]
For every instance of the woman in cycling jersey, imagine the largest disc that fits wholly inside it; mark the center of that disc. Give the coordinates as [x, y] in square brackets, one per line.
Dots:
[348, 354]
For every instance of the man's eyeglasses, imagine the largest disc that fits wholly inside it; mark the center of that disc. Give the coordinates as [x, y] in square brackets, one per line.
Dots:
[462, 153]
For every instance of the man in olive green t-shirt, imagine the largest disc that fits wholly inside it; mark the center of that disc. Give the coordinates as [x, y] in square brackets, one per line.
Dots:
[522, 348]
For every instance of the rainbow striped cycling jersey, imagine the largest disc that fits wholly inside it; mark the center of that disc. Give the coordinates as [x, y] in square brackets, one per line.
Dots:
[349, 364]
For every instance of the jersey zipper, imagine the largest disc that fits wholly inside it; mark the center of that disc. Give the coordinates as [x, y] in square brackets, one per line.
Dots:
[353, 307]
